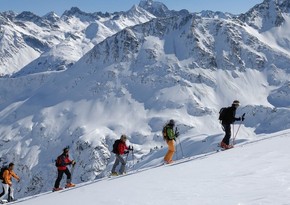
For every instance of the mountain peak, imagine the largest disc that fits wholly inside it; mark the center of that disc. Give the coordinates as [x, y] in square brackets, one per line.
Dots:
[51, 16]
[73, 11]
[264, 16]
[156, 8]
[135, 8]
[31, 17]
[147, 3]
[139, 11]
[6, 16]
[28, 16]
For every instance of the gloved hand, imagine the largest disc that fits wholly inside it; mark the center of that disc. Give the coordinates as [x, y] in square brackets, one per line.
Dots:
[130, 148]
[126, 152]
[176, 134]
[243, 117]
[73, 162]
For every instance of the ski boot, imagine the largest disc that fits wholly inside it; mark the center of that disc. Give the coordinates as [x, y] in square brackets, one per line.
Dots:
[114, 174]
[10, 199]
[225, 146]
[69, 185]
[168, 162]
[57, 189]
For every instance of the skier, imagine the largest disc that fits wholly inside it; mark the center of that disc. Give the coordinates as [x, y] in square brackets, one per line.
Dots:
[228, 119]
[61, 163]
[7, 183]
[170, 137]
[120, 148]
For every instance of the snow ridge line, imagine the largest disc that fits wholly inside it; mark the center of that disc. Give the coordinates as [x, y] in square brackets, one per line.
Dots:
[190, 158]
[177, 162]
[202, 156]
[285, 134]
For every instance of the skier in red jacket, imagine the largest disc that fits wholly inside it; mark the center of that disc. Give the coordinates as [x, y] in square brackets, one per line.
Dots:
[121, 150]
[61, 163]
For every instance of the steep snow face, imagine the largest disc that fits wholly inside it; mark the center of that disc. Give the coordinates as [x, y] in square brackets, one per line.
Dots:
[15, 53]
[199, 42]
[23, 42]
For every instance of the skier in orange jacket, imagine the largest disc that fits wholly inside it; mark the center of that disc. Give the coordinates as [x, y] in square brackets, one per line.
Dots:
[7, 183]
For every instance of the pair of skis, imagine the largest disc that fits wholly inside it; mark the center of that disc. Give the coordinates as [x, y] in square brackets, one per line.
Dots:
[60, 189]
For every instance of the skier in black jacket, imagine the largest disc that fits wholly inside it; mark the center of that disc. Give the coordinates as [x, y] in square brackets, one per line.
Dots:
[228, 119]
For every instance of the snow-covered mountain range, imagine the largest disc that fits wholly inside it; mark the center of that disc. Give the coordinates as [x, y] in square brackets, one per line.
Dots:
[36, 44]
[83, 79]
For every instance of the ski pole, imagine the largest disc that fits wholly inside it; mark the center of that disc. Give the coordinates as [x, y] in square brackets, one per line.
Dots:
[72, 170]
[176, 156]
[125, 161]
[242, 119]
[181, 148]
[133, 155]
[127, 158]
[233, 132]
[236, 134]
[177, 135]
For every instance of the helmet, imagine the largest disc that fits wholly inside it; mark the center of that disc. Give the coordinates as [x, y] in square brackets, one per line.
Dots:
[236, 102]
[171, 122]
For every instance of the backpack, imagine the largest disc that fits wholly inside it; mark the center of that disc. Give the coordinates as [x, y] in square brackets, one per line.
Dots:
[2, 172]
[115, 146]
[58, 161]
[223, 113]
[164, 132]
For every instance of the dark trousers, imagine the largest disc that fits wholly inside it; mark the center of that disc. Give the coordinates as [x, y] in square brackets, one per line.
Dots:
[3, 192]
[227, 129]
[59, 177]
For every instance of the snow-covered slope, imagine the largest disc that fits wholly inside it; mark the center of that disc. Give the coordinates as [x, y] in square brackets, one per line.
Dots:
[132, 81]
[252, 174]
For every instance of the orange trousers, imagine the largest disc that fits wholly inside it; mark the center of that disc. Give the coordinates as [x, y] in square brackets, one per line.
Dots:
[171, 149]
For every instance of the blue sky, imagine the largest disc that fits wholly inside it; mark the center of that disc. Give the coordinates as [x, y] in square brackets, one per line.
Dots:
[41, 7]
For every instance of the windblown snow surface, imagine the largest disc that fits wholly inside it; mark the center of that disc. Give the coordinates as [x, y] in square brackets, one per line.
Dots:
[252, 173]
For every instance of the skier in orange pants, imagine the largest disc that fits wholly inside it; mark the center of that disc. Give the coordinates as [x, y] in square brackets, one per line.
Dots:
[170, 136]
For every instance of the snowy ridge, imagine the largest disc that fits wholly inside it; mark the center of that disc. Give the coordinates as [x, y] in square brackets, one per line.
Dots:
[266, 15]
[198, 171]
[56, 40]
